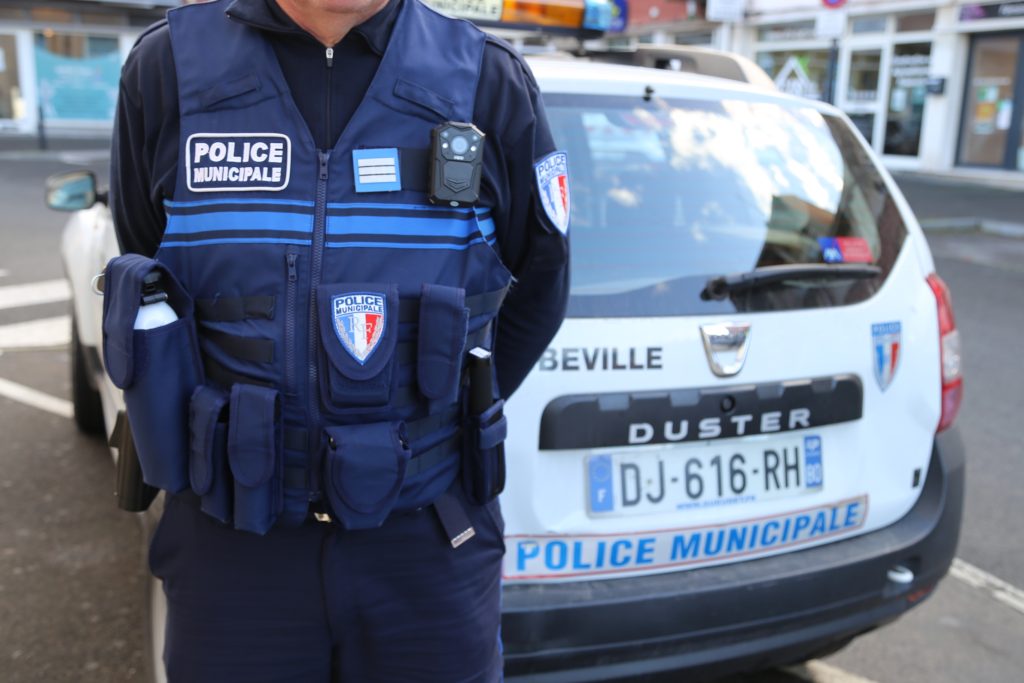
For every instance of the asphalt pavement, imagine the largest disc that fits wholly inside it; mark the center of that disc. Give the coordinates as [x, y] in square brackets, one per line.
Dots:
[72, 577]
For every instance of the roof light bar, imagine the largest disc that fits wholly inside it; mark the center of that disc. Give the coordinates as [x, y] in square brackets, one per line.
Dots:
[562, 16]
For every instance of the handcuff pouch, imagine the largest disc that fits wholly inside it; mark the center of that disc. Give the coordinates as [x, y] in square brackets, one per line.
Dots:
[364, 471]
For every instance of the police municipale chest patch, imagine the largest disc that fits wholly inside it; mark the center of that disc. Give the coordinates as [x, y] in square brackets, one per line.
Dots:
[553, 188]
[359, 319]
[238, 162]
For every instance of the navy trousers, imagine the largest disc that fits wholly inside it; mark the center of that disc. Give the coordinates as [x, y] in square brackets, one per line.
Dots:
[320, 604]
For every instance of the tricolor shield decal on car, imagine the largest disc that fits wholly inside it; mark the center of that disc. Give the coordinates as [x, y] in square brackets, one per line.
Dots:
[886, 340]
[359, 322]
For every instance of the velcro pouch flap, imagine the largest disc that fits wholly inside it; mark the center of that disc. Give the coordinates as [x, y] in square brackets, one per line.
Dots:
[122, 296]
[365, 470]
[205, 410]
[444, 323]
[358, 327]
[254, 434]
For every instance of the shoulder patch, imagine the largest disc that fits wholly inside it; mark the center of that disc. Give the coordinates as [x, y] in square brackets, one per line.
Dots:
[552, 174]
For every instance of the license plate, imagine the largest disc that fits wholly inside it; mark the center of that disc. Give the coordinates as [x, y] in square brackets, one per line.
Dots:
[686, 478]
[474, 10]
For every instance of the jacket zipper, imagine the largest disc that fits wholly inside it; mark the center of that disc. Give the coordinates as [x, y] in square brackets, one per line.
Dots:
[327, 142]
[319, 232]
[291, 258]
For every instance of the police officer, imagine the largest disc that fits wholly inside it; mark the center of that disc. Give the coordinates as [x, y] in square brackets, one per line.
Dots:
[278, 158]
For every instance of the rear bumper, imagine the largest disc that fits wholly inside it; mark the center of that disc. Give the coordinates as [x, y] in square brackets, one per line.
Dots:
[755, 614]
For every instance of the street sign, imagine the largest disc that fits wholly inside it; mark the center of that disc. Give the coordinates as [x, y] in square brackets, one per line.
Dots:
[725, 10]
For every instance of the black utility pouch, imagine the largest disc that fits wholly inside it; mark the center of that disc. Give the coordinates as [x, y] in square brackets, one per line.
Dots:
[483, 458]
[364, 471]
[157, 368]
[444, 322]
[255, 455]
[358, 335]
[208, 469]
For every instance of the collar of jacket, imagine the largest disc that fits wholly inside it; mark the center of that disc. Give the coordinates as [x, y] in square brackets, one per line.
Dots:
[266, 15]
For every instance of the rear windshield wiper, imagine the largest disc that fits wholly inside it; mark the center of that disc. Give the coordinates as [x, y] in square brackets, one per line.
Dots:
[718, 288]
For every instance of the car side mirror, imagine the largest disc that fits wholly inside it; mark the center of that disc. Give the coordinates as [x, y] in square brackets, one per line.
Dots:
[72, 191]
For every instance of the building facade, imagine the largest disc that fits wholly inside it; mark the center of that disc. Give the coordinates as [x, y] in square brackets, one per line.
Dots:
[935, 86]
[60, 61]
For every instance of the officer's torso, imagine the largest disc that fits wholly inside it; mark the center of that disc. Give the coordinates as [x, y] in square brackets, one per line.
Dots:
[317, 272]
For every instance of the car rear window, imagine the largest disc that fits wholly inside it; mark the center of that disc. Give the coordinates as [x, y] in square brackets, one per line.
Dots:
[669, 193]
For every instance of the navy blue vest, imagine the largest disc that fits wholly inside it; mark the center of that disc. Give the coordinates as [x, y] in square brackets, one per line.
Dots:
[332, 323]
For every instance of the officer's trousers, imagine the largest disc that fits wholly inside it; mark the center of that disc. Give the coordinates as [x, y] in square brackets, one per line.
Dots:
[316, 604]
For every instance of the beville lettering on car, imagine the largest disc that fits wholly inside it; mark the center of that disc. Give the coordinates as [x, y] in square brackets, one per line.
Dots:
[719, 427]
[572, 359]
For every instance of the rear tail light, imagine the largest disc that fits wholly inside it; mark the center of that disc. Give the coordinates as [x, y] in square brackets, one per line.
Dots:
[949, 347]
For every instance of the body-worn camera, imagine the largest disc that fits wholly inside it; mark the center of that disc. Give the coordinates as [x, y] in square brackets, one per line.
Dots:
[457, 153]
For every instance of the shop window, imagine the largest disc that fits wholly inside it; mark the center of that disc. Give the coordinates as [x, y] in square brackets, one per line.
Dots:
[875, 24]
[51, 16]
[864, 68]
[907, 93]
[77, 76]
[692, 39]
[921, 21]
[988, 112]
[12, 106]
[865, 123]
[797, 72]
[803, 30]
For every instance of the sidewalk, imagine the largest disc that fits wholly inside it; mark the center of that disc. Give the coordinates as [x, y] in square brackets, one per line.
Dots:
[73, 150]
[948, 204]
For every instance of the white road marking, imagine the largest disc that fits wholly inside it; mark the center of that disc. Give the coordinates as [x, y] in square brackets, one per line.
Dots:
[35, 399]
[818, 671]
[34, 293]
[1009, 595]
[34, 334]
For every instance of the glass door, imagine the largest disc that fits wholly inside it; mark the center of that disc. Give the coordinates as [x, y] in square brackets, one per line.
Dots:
[12, 105]
[989, 130]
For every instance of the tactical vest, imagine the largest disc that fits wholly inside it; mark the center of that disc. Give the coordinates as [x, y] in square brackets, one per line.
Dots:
[332, 323]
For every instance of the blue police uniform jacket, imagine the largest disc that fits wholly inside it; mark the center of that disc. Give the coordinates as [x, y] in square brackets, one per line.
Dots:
[332, 317]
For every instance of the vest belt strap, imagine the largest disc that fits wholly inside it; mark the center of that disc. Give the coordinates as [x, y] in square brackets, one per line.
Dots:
[233, 309]
[478, 304]
[253, 349]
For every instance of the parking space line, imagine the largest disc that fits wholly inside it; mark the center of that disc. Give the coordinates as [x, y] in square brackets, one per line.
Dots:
[818, 671]
[36, 399]
[34, 293]
[1009, 595]
[36, 334]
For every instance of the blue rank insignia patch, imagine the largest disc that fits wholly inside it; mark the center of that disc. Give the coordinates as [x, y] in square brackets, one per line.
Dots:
[359, 322]
[376, 170]
[553, 188]
[238, 162]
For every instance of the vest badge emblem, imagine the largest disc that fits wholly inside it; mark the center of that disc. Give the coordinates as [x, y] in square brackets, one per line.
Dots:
[359, 319]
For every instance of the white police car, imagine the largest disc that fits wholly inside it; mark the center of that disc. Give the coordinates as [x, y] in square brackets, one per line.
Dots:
[736, 453]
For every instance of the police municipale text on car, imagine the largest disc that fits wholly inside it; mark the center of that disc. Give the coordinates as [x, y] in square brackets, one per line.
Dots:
[736, 453]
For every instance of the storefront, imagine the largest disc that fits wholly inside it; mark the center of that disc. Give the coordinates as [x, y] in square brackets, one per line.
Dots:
[60, 61]
[872, 63]
[993, 103]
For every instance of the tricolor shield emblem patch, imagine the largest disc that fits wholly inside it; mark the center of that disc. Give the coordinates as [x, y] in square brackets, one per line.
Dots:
[886, 340]
[553, 188]
[359, 322]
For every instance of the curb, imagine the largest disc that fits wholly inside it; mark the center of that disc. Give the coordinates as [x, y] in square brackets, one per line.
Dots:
[1001, 228]
[67, 156]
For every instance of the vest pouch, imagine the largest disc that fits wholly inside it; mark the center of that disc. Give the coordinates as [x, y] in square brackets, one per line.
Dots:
[364, 471]
[444, 323]
[483, 458]
[208, 461]
[358, 335]
[157, 368]
[255, 456]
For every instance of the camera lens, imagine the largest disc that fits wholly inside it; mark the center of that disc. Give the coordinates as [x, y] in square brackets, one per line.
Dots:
[460, 145]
